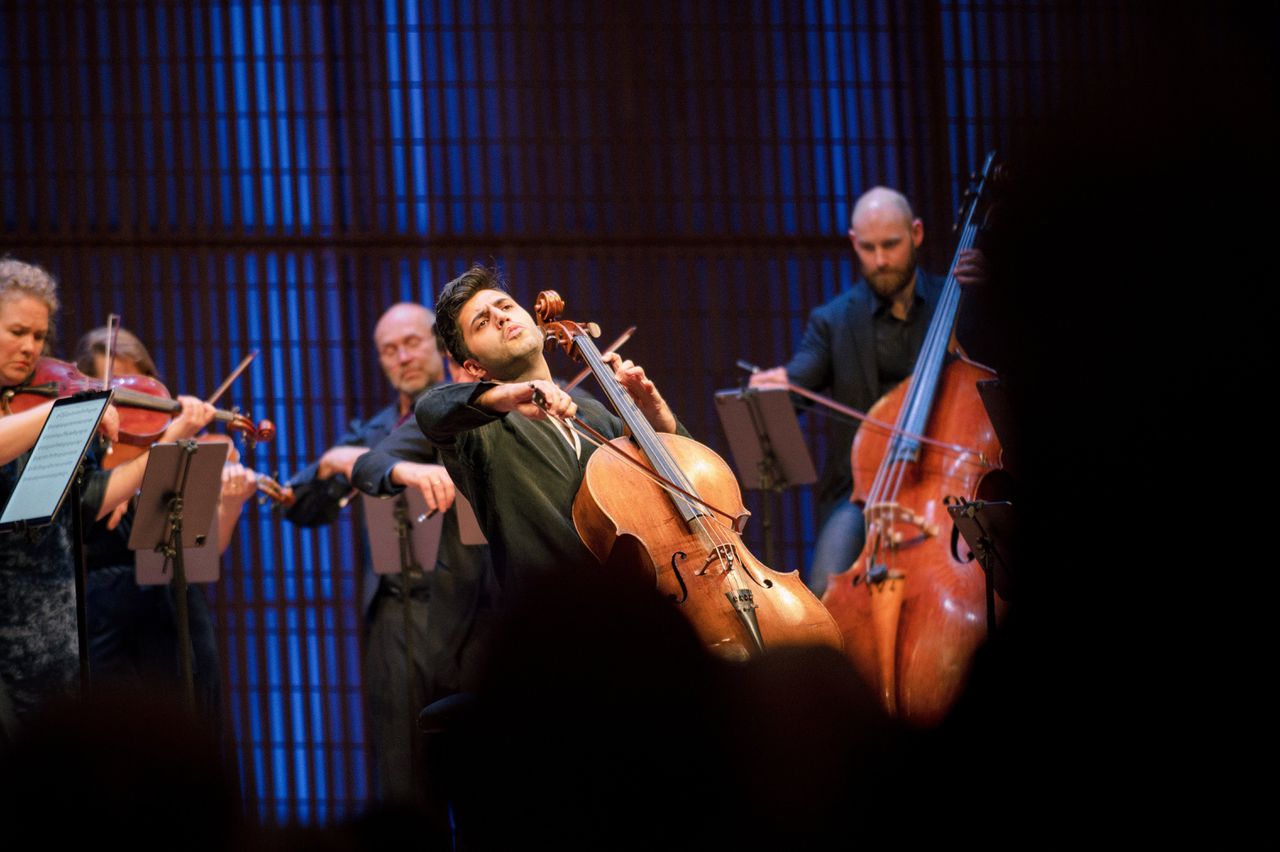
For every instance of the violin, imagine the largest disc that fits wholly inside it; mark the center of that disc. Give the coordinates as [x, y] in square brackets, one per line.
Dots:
[145, 406]
[267, 486]
[912, 608]
[648, 503]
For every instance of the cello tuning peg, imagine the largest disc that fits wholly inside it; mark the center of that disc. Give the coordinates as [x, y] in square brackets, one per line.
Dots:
[593, 329]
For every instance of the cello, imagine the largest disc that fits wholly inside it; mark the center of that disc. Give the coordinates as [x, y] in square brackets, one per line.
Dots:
[912, 611]
[650, 504]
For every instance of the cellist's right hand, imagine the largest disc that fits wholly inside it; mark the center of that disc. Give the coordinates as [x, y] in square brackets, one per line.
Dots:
[519, 396]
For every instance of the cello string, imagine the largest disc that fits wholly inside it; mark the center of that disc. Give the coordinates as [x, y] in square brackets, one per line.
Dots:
[914, 416]
[653, 450]
[656, 452]
[589, 434]
[938, 336]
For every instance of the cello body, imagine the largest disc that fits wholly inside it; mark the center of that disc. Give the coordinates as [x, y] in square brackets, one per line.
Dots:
[627, 520]
[912, 615]
[683, 535]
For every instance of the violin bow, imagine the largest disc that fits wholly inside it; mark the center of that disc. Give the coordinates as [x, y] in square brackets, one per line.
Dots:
[235, 374]
[109, 357]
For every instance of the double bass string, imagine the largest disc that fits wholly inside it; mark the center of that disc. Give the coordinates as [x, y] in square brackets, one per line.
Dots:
[913, 418]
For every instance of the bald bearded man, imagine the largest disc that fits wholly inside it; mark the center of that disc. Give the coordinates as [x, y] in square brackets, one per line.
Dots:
[405, 340]
[858, 346]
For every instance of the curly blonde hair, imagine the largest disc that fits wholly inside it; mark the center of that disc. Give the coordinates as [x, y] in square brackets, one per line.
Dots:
[18, 280]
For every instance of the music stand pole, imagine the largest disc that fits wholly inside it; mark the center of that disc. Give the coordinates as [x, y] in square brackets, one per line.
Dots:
[989, 528]
[408, 568]
[767, 446]
[173, 552]
[771, 481]
[405, 557]
[77, 551]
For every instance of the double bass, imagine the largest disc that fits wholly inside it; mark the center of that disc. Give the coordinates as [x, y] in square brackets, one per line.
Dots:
[913, 607]
[669, 506]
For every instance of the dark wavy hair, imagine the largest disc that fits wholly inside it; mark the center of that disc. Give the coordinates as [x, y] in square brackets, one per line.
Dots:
[451, 299]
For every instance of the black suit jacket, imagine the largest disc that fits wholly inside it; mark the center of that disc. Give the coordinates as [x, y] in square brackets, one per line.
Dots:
[837, 357]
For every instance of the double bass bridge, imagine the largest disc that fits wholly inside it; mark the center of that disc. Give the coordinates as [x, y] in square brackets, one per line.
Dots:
[887, 517]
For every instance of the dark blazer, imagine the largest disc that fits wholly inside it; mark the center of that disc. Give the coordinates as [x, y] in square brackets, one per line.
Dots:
[837, 357]
[319, 501]
[460, 585]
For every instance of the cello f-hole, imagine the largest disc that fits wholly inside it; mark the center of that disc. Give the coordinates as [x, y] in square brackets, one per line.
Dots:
[676, 558]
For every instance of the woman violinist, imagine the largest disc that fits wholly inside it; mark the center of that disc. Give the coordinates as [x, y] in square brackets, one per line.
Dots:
[38, 643]
[133, 632]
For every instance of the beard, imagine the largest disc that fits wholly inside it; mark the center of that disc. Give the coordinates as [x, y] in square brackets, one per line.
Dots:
[891, 282]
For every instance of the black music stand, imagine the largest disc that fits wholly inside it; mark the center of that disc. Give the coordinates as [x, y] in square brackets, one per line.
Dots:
[989, 528]
[175, 509]
[54, 470]
[768, 447]
[404, 538]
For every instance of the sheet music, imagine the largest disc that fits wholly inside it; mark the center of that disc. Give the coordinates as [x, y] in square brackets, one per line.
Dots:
[54, 460]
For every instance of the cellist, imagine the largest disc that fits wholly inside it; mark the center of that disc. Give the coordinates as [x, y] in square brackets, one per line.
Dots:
[859, 346]
[520, 469]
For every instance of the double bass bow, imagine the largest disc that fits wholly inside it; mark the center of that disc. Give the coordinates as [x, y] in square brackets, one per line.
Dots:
[650, 502]
[912, 611]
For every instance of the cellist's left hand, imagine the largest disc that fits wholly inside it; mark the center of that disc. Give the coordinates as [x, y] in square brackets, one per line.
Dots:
[643, 391]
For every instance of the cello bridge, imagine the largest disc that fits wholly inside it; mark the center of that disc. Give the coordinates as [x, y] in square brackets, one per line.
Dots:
[722, 552]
